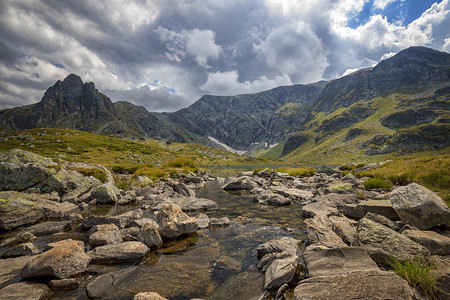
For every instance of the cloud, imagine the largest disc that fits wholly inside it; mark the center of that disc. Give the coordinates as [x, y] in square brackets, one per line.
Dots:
[382, 4]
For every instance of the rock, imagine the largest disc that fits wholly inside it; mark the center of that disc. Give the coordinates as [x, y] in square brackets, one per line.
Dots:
[341, 188]
[284, 244]
[106, 193]
[104, 234]
[280, 271]
[420, 207]
[21, 250]
[20, 238]
[63, 261]
[58, 211]
[189, 204]
[18, 209]
[183, 190]
[272, 199]
[224, 221]
[48, 227]
[240, 183]
[436, 243]
[320, 232]
[174, 222]
[382, 242]
[121, 221]
[345, 228]
[139, 222]
[383, 221]
[66, 284]
[356, 285]
[202, 221]
[26, 291]
[337, 261]
[10, 268]
[130, 234]
[311, 209]
[118, 253]
[336, 200]
[224, 267]
[149, 235]
[296, 194]
[380, 207]
[149, 296]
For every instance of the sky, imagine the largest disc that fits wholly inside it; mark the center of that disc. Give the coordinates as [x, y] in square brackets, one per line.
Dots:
[166, 54]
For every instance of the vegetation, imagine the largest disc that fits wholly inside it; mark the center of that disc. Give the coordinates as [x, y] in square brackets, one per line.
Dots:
[418, 272]
[377, 183]
[95, 172]
[302, 171]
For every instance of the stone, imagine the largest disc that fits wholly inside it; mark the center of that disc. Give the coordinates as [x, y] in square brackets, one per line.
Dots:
[65, 260]
[336, 200]
[293, 193]
[280, 271]
[341, 188]
[104, 234]
[240, 183]
[345, 228]
[21, 250]
[189, 204]
[106, 193]
[46, 228]
[418, 206]
[356, 285]
[383, 220]
[139, 222]
[380, 207]
[149, 296]
[337, 261]
[202, 221]
[320, 232]
[121, 221]
[18, 209]
[272, 199]
[58, 211]
[382, 242]
[311, 209]
[118, 253]
[10, 268]
[149, 235]
[436, 243]
[26, 291]
[224, 221]
[183, 190]
[284, 244]
[174, 222]
[66, 284]
[20, 238]
[130, 234]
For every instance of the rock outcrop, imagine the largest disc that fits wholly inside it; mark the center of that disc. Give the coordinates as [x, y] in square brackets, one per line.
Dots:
[174, 222]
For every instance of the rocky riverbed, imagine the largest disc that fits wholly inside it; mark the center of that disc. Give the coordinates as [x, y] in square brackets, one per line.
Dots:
[66, 234]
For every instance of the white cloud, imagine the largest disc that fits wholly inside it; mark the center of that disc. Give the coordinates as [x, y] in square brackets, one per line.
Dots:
[382, 4]
[446, 46]
[349, 71]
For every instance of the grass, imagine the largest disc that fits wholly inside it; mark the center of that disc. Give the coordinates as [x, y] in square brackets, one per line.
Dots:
[377, 183]
[418, 272]
[95, 172]
[302, 171]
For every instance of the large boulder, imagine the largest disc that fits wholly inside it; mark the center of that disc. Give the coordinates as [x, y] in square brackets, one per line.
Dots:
[382, 242]
[311, 209]
[106, 193]
[380, 207]
[436, 243]
[10, 268]
[240, 183]
[320, 232]
[174, 222]
[18, 209]
[418, 206]
[21, 250]
[63, 261]
[26, 291]
[104, 234]
[284, 244]
[345, 228]
[58, 211]
[118, 253]
[149, 234]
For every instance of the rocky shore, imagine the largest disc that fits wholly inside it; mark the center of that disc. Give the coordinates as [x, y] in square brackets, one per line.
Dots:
[351, 231]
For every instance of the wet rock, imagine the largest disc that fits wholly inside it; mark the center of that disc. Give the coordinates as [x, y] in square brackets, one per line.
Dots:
[66, 284]
[63, 261]
[174, 222]
[26, 291]
[356, 285]
[436, 243]
[18, 209]
[149, 296]
[272, 199]
[10, 268]
[104, 234]
[320, 232]
[21, 250]
[280, 271]
[345, 228]
[420, 207]
[149, 235]
[118, 253]
[382, 242]
[284, 244]
[240, 183]
[311, 209]
[202, 221]
[20, 238]
[224, 221]
[189, 204]
[224, 267]
[383, 220]
[106, 193]
[380, 207]
[48, 227]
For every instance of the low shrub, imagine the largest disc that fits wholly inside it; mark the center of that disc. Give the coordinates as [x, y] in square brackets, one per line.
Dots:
[377, 183]
[95, 172]
[346, 168]
[128, 168]
[302, 171]
[180, 162]
[152, 173]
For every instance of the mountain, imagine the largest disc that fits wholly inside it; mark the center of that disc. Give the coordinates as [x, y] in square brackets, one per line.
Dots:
[76, 105]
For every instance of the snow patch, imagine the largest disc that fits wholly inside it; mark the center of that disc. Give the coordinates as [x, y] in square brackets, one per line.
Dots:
[228, 148]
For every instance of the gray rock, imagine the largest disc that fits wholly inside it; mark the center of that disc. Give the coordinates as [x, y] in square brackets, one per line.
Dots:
[356, 285]
[340, 188]
[10, 268]
[100, 286]
[26, 291]
[311, 209]
[148, 296]
[337, 261]
[420, 207]
[380, 207]
[272, 199]
[58, 211]
[20, 238]
[293, 193]
[18, 209]
[202, 221]
[149, 235]
[436, 243]
[174, 222]
[224, 221]
[118, 253]
[130, 234]
[284, 244]
[280, 271]
[183, 190]
[66, 284]
[345, 228]
[104, 234]
[320, 232]
[382, 242]
[63, 261]
[21, 250]
[46, 228]
[139, 222]
[189, 204]
[240, 183]
[121, 221]
[383, 220]
[106, 193]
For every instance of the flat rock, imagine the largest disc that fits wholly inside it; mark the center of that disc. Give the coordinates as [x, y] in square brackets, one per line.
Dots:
[320, 232]
[337, 261]
[382, 242]
[380, 207]
[104, 234]
[383, 221]
[149, 296]
[65, 284]
[46, 228]
[26, 291]
[345, 228]
[18, 209]
[270, 198]
[121, 221]
[311, 209]
[284, 244]
[356, 285]
[293, 193]
[340, 188]
[202, 221]
[240, 183]
[21, 250]
[224, 221]
[280, 271]
[436, 243]
[10, 267]
[118, 253]
[189, 204]
[19, 238]
[58, 210]
[174, 222]
[418, 206]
